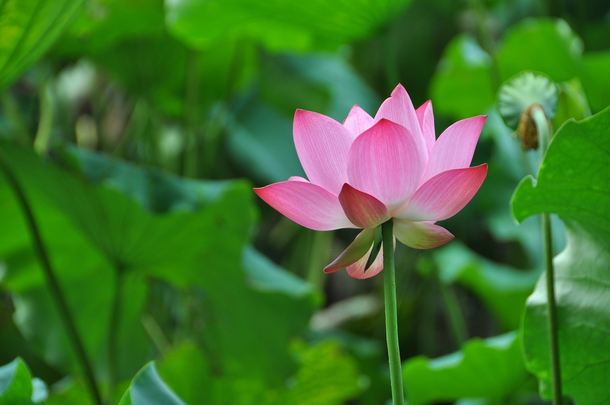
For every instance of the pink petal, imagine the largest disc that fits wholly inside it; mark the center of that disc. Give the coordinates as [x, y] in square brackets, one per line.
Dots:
[359, 270]
[306, 204]
[362, 209]
[421, 235]
[358, 121]
[444, 195]
[354, 252]
[386, 162]
[322, 145]
[425, 116]
[455, 147]
[399, 109]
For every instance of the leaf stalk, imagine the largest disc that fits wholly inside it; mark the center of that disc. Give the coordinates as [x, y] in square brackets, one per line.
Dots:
[542, 126]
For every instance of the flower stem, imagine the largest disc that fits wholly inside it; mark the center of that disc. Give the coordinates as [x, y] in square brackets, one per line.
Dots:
[542, 127]
[113, 333]
[391, 318]
[53, 282]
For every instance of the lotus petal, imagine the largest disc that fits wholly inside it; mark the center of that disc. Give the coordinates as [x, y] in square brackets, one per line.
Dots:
[358, 121]
[386, 162]
[322, 145]
[444, 195]
[421, 235]
[306, 204]
[425, 116]
[399, 109]
[455, 147]
[359, 270]
[354, 252]
[362, 209]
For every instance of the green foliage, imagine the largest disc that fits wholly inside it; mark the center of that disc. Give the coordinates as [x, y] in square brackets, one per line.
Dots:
[210, 289]
[111, 240]
[260, 138]
[490, 369]
[326, 376]
[148, 388]
[573, 183]
[28, 28]
[289, 25]
[595, 64]
[463, 84]
[17, 386]
[544, 45]
[467, 72]
[241, 289]
[503, 289]
[128, 40]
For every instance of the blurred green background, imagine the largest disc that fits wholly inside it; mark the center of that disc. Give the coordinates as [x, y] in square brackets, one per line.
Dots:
[137, 129]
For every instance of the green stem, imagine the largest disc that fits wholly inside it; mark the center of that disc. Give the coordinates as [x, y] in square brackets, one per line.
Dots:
[155, 333]
[391, 317]
[45, 123]
[318, 256]
[552, 309]
[191, 110]
[542, 127]
[53, 283]
[11, 109]
[454, 313]
[113, 333]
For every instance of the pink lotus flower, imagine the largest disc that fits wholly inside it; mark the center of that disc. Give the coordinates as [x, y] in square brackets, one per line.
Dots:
[369, 170]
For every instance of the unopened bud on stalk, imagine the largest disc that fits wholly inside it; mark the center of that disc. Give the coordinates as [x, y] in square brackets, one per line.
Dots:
[520, 97]
[526, 130]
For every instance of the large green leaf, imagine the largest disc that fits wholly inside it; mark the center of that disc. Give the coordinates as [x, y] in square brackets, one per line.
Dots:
[103, 24]
[574, 183]
[147, 388]
[27, 29]
[491, 369]
[287, 25]
[462, 85]
[116, 216]
[128, 212]
[595, 79]
[544, 45]
[86, 279]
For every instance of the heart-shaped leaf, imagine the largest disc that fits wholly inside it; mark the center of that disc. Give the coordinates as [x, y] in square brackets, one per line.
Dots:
[574, 182]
